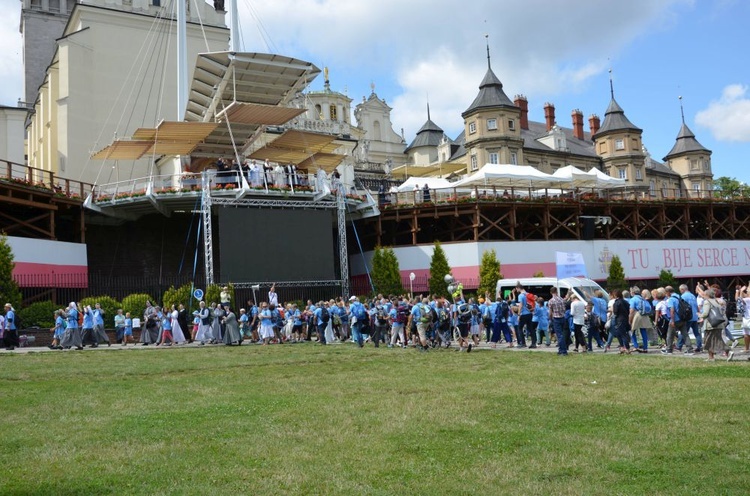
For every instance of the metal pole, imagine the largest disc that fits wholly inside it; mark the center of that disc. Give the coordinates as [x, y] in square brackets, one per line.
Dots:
[182, 78]
[235, 33]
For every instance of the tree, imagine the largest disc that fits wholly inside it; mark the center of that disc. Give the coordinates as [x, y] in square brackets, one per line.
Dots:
[616, 279]
[729, 187]
[439, 268]
[386, 275]
[666, 278]
[489, 273]
[9, 292]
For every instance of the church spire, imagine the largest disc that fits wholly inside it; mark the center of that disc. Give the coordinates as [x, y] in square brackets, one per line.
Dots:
[682, 110]
[611, 86]
[487, 39]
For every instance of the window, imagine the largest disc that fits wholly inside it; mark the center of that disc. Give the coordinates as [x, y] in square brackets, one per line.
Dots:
[333, 112]
[707, 165]
[514, 158]
[697, 187]
[619, 144]
[652, 188]
[623, 173]
[638, 175]
[474, 164]
[491, 124]
[511, 124]
[472, 127]
[694, 164]
[663, 189]
[494, 158]
[318, 112]
[156, 3]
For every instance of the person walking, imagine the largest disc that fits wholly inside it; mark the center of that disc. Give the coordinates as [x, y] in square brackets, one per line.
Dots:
[72, 335]
[10, 335]
[714, 319]
[557, 310]
[232, 336]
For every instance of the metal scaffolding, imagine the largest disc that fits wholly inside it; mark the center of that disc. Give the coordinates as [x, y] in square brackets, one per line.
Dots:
[343, 253]
[207, 202]
[208, 242]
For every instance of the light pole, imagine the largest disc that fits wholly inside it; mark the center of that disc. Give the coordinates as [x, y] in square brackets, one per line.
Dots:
[412, 276]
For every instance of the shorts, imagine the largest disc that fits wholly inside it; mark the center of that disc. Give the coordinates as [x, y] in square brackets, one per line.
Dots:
[746, 326]
[297, 328]
[463, 330]
[422, 330]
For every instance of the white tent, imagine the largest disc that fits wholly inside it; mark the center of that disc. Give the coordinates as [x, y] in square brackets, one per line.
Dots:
[576, 177]
[432, 183]
[511, 176]
[605, 181]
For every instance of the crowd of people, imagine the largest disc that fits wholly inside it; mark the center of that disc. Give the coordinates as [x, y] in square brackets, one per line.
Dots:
[519, 319]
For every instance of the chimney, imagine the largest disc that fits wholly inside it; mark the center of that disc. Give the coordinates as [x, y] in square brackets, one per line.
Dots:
[577, 116]
[594, 124]
[521, 102]
[549, 115]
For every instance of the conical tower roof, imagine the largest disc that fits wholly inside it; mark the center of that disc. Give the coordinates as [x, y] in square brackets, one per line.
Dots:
[615, 120]
[430, 134]
[491, 94]
[685, 143]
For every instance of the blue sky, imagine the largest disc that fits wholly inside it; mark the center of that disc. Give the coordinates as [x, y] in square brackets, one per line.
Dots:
[549, 50]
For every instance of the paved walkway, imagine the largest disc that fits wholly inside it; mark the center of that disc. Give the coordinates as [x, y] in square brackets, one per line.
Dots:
[739, 354]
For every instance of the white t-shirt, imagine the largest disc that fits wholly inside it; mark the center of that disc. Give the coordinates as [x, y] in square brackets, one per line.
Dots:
[746, 313]
[662, 308]
[578, 311]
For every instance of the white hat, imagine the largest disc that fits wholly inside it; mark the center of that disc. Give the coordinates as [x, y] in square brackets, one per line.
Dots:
[353, 298]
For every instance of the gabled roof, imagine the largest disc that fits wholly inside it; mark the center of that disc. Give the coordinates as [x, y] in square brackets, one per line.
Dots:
[659, 168]
[686, 143]
[615, 120]
[491, 95]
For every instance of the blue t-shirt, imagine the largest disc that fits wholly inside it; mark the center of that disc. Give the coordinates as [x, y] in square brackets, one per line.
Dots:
[88, 320]
[59, 325]
[318, 316]
[600, 307]
[542, 315]
[73, 319]
[673, 304]
[98, 317]
[129, 324]
[523, 302]
[690, 298]
[166, 324]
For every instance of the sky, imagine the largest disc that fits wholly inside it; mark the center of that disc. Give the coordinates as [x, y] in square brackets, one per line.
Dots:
[421, 51]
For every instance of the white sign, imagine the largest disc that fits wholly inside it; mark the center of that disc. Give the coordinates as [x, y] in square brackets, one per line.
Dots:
[570, 265]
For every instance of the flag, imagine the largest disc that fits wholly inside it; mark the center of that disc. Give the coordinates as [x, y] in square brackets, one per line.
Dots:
[570, 265]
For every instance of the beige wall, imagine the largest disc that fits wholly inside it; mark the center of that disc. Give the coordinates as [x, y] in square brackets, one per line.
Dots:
[12, 135]
[93, 96]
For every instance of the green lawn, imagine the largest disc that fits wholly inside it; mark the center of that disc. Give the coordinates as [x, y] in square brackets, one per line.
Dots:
[308, 419]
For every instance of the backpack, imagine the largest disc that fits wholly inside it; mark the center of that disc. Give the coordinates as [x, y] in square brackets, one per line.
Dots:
[360, 313]
[684, 311]
[464, 313]
[402, 315]
[530, 301]
[645, 307]
[486, 317]
[425, 314]
[434, 315]
[16, 321]
[381, 317]
[502, 311]
[325, 316]
[336, 319]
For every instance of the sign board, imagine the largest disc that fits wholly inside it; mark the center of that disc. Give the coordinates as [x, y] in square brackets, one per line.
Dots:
[198, 294]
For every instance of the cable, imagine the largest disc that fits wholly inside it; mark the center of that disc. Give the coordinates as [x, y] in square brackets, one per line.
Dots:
[187, 237]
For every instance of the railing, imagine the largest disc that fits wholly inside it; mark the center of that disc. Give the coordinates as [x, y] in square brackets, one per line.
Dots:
[221, 183]
[42, 180]
[546, 195]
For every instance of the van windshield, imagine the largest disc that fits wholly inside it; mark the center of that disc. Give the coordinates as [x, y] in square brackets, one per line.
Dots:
[587, 292]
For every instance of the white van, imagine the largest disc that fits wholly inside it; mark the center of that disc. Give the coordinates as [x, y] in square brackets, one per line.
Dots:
[540, 286]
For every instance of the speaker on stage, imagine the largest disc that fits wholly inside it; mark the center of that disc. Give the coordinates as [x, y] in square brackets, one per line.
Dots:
[588, 228]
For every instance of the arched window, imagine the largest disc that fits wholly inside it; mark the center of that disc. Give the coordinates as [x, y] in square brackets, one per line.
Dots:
[318, 112]
[376, 133]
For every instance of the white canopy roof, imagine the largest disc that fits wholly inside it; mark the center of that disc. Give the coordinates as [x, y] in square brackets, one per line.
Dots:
[576, 177]
[432, 183]
[605, 181]
[511, 176]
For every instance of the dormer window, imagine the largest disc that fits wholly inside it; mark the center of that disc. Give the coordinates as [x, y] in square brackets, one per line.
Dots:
[619, 144]
[491, 124]
[472, 127]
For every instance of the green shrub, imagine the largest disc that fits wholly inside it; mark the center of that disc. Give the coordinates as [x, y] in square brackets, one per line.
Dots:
[109, 305]
[213, 294]
[174, 296]
[136, 304]
[40, 314]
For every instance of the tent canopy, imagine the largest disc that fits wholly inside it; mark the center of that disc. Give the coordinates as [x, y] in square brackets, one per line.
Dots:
[431, 182]
[511, 176]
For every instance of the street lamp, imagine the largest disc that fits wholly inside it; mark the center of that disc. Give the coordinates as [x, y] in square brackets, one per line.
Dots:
[412, 276]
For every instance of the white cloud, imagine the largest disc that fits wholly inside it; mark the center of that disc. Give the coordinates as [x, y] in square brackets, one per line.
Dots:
[539, 48]
[728, 118]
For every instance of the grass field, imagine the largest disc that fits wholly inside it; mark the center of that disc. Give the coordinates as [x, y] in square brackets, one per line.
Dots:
[307, 419]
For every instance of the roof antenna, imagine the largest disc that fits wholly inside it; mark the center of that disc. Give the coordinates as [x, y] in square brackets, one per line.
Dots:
[487, 38]
[611, 85]
[682, 111]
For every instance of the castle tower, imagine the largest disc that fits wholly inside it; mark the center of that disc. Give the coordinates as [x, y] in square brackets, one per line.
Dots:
[619, 144]
[492, 125]
[691, 160]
